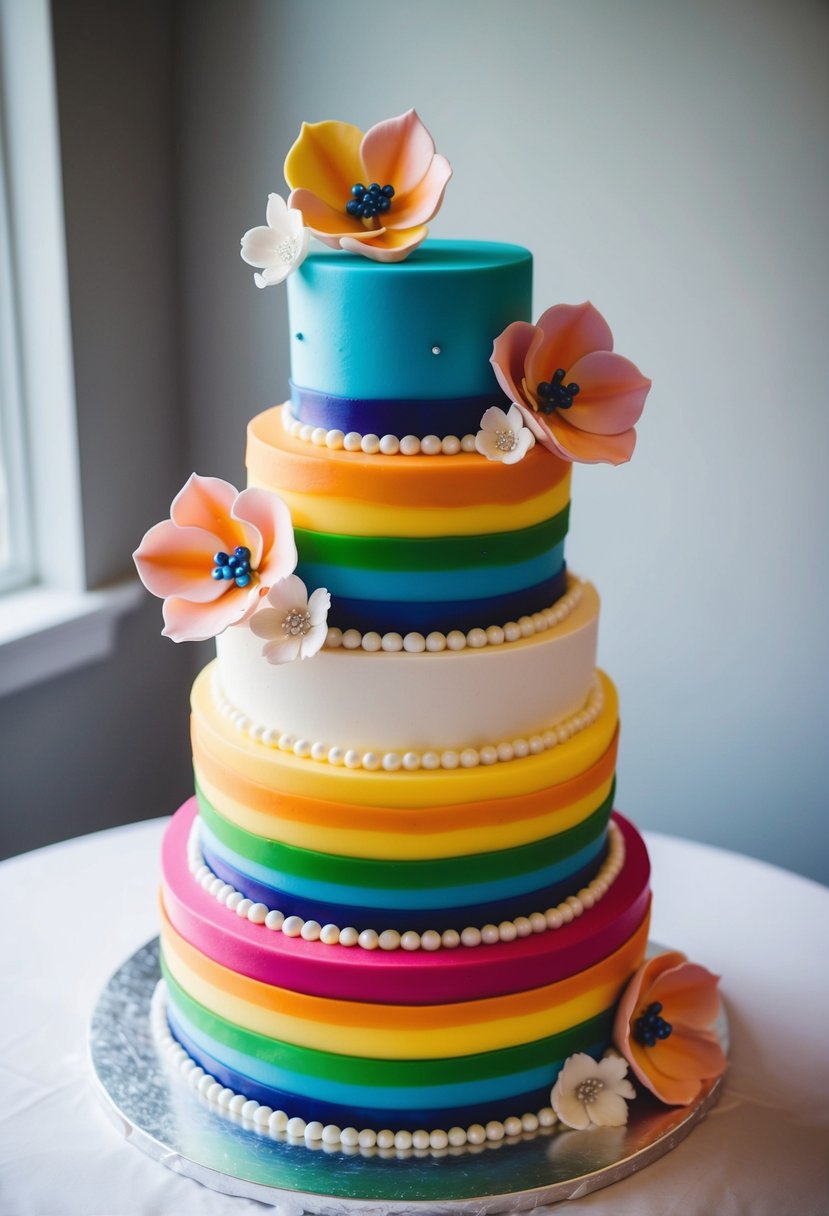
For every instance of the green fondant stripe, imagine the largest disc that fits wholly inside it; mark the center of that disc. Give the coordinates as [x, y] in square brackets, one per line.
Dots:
[406, 875]
[413, 553]
[365, 1071]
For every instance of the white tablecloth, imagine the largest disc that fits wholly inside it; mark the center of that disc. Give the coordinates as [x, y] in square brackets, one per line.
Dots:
[73, 912]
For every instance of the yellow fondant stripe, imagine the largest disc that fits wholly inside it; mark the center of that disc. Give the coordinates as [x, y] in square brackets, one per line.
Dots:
[307, 778]
[354, 518]
[398, 1032]
[350, 840]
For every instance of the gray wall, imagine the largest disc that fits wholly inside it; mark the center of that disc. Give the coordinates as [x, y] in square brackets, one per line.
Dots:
[107, 743]
[665, 160]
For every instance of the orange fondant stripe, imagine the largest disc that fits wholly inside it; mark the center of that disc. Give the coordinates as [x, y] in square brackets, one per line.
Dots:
[278, 460]
[317, 1011]
[409, 820]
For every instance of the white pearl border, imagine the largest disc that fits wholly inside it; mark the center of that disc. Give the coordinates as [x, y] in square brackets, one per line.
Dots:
[475, 639]
[392, 762]
[377, 445]
[280, 1125]
[390, 939]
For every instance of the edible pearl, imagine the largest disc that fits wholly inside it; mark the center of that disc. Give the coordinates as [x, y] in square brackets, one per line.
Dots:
[468, 443]
[292, 926]
[319, 436]
[430, 445]
[389, 939]
[352, 441]
[310, 931]
[349, 936]
[410, 940]
[450, 445]
[370, 444]
[389, 445]
[410, 445]
[414, 643]
[334, 440]
[392, 642]
[430, 940]
[369, 939]
[329, 935]
[275, 919]
[456, 640]
[372, 642]
[435, 642]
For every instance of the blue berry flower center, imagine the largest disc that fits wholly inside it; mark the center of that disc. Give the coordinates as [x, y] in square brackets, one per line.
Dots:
[367, 202]
[555, 395]
[650, 1027]
[233, 567]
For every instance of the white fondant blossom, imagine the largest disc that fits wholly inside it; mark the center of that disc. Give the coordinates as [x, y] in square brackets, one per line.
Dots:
[281, 247]
[592, 1091]
[292, 625]
[503, 435]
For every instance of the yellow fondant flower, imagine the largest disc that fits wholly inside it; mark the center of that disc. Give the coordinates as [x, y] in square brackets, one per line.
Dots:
[371, 194]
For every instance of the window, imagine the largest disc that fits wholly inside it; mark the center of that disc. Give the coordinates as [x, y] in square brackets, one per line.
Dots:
[49, 622]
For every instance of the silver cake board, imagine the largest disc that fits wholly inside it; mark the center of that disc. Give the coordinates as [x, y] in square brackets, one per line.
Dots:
[151, 1104]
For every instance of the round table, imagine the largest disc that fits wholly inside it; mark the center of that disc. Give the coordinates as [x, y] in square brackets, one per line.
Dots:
[80, 908]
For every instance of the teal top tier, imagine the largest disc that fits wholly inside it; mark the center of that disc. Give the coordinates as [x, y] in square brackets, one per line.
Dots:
[421, 329]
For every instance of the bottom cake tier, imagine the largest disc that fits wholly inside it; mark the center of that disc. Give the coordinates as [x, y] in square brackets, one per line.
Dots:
[388, 1038]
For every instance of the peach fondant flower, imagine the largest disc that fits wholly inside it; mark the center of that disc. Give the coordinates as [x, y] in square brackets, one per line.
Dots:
[293, 626]
[215, 556]
[579, 399]
[372, 194]
[592, 1091]
[663, 1027]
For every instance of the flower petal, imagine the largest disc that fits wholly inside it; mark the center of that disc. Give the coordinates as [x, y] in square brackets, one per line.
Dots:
[486, 444]
[608, 1109]
[278, 215]
[326, 220]
[313, 641]
[325, 160]
[286, 595]
[689, 994]
[284, 651]
[386, 245]
[688, 1055]
[264, 516]
[569, 332]
[178, 561]
[585, 448]
[675, 1091]
[568, 1107]
[185, 621]
[267, 623]
[495, 420]
[509, 351]
[204, 502]
[398, 152]
[423, 202]
[611, 396]
[260, 247]
[318, 606]
[526, 440]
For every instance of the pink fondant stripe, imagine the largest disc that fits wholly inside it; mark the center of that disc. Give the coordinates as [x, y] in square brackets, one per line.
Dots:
[399, 977]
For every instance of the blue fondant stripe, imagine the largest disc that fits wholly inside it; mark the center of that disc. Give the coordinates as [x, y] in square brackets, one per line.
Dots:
[358, 1116]
[402, 898]
[420, 919]
[387, 616]
[394, 416]
[432, 585]
[381, 1097]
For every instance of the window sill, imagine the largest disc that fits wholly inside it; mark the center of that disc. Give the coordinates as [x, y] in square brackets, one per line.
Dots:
[44, 633]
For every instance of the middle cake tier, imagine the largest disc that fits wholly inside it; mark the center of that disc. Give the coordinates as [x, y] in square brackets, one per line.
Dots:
[417, 543]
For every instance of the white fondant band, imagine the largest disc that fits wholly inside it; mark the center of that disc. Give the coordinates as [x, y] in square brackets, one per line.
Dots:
[460, 705]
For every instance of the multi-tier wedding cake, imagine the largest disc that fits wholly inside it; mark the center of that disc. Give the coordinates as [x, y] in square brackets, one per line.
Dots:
[399, 908]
